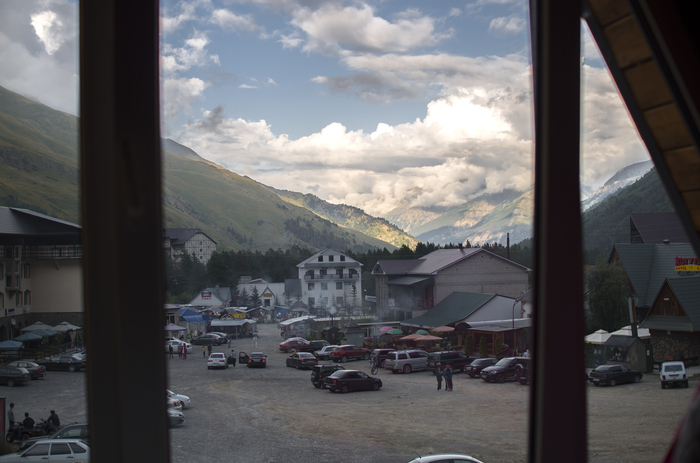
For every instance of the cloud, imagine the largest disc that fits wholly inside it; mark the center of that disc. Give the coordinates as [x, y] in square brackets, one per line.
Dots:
[455, 12]
[192, 54]
[291, 40]
[51, 30]
[508, 25]
[227, 19]
[178, 94]
[187, 12]
[271, 82]
[247, 86]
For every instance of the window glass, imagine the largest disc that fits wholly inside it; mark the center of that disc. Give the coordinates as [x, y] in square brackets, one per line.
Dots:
[77, 449]
[37, 449]
[60, 449]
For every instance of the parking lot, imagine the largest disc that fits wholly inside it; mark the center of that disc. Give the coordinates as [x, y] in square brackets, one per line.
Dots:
[276, 415]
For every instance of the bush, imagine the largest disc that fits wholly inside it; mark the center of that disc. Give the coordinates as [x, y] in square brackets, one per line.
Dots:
[483, 347]
[469, 344]
[497, 345]
[590, 355]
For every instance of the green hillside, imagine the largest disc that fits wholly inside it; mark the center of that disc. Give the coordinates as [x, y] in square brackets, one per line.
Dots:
[351, 217]
[38, 150]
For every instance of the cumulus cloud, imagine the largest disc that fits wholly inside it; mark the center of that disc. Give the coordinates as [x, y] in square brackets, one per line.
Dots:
[51, 30]
[227, 19]
[508, 25]
[247, 86]
[193, 53]
[179, 93]
[187, 11]
[290, 40]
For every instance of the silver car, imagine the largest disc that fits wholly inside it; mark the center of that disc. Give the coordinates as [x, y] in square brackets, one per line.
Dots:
[406, 360]
[74, 450]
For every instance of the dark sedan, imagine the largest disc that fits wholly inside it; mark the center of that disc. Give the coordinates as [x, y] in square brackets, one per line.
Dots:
[302, 360]
[614, 374]
[257, 360]
[506, 369]
[35, 370]
[13, 376]
[474, 369]
[351, 380]
[63, 362]
[207, 339]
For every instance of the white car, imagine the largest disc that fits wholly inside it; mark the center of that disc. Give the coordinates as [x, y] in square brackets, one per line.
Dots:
[183, 399]
[175, 418]
[324, 353]
[451, 457]
[74, 450]
[673, 373]
[217, 360]
[176, 343]
[173, 404]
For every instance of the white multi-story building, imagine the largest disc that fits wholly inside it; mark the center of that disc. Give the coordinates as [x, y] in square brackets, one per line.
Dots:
[330, 279]
[194, 241]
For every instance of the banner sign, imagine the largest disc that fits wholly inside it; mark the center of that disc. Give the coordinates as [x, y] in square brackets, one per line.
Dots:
[206, 294]
[687, 264]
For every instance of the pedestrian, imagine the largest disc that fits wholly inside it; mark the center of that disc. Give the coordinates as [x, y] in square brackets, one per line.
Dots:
[184, 352]
[53, 419]
[170, 350]
[229, 341]
[448, 378]
[255, 340]
[209, 349]
[527, 353]
[204, 352]
[438, 375]
[233, 354]
[11, 415]
[179, 351]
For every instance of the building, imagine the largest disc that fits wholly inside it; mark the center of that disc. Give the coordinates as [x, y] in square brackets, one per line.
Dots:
[194, 241]
[656, 227]
[408, 288]
[42, 268]
[330, 279]
[213, 297]
[269, 294]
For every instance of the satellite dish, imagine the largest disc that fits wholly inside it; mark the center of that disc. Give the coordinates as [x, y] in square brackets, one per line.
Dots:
[13, 321]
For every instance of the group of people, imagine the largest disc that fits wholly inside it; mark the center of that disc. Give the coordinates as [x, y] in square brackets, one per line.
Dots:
[447, 374]
[181, 351]
[28, 423]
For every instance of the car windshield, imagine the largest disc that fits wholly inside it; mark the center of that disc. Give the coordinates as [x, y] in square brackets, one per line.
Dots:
[217, 356]
[676, 367]
[256, 355]
[504, 362]
[306, 355]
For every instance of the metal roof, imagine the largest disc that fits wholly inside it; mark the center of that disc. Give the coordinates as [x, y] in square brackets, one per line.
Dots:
[394, 267]
[455, 307]
[407, 281]
[666, 322]
[656, 227]
[507, 326]
[14, 221]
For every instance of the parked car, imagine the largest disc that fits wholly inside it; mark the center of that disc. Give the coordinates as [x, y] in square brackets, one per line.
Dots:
[35, 370]
[257, 360]
[457, 360]
[293, 345]
[176, 343]
[63, 362]
[348, 351]
[406, 360]
[320, 372]
[172, 403]
[75, 450]
[301, 360]
[183, 399]
[614, 374]
[351, 380]
[474, 368]
[325, 353]
[220, 334]
[217, 360]
[175, 418]
[13, 376]
[444, 458]
[314, 346]
[207, 339]
[505, 369]
[381, 356]
[71, 431]
[673, 373]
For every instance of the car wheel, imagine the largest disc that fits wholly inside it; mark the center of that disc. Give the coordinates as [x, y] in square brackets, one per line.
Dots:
[344, 358]
[501, 378]
[344, 389]
[612, 383]
[376, 386]
[317, 386]
[366, 356]
[10, 437]
[637, 378]
[407, 368]
[71, 368]
[208, 367]
[10, 382]
[296, 366]
[596, 384]
[523, 381]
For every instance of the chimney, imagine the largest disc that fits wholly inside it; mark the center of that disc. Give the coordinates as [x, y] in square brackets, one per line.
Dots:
[460, 245]
[667, 242]
[508, 246]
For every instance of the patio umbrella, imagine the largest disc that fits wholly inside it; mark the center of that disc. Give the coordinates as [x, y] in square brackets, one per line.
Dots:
[29, 337]
[599, 337]
[428, 337]
[385, 329]
[410, 337]
[65, 326]
[174, 327]
[37, 326]
[47, 332]
[10, 345]
[422, 332]
[395, 332]
[444, 329]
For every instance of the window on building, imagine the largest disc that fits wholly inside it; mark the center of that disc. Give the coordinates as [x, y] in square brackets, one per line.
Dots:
[324, 286]
[18, 299]
[339, 300]
[169, 318]
[27, 297]
[320, 258]
[8, 282]
[312, 301]
[311, 287]
[57, 253]
[267, 303]
[330, 258]
[27, 271]
[323, 272]
[17, 252]
[338, 285]
[342, 258]
[16, 266]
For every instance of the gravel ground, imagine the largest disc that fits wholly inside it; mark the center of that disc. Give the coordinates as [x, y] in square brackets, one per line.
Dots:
[276, 415]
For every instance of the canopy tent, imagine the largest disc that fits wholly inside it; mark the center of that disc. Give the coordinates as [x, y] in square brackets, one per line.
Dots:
[444, 329]
[428, 337]
[65, 326]
[598, 337]
[410, 337]
[384, 329]
[10, 345]
[395, 332]
[37, 326]
[423, 332]
[627, 331]
[29, 337]
[234, 322]
[48, 332]
[190, 315]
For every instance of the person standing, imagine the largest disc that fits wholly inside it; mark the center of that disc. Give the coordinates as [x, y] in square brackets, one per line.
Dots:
[204, 352]
[179, 351]
[184, 352]
[255, 340]
[170, 350]
[448, 378]
[11, 415]
[438, 375]
[233, 354]
[229, 341]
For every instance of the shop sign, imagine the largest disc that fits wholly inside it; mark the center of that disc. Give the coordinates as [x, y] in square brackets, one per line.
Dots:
[206, 294]
[687, 264]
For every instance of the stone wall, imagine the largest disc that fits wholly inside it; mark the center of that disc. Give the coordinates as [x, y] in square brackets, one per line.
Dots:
[677, 346]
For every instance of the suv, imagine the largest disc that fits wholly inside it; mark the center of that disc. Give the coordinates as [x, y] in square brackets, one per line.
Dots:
[348, 351]
[319, 373]
[456, 359]
[673, 373]
[406, 360]
[381, 356]
[509, 368]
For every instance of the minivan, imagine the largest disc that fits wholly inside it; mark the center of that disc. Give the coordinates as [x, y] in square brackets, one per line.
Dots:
[406, 360]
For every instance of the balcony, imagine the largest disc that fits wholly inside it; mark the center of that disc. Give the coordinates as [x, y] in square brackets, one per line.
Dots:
[344, 276]
[52, 252]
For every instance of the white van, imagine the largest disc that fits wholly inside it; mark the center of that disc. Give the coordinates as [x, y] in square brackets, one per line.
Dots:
[673, 373]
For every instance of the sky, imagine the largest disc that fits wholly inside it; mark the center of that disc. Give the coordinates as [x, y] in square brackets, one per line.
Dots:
[358, 102]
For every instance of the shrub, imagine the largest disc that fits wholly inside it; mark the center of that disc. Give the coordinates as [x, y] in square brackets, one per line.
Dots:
[469, 344]
[497, 345]
[483, 347]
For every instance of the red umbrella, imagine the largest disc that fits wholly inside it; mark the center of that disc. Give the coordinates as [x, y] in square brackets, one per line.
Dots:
[384, 329]
[443, 329]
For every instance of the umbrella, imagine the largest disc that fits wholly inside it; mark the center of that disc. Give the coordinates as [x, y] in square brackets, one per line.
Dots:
[410, 337]
[29, 337]
[385, 329]
[65, 326]
[174, 327]
[47, 332]
[428, 337]
[10, 345]
[37, 326]
[395, 332]
[443, 329]
[599, 337]
[422, 332]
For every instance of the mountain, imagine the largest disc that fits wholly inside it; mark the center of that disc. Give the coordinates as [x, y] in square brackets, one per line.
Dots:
[350, 217]
[622, 178]
[39, 153]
